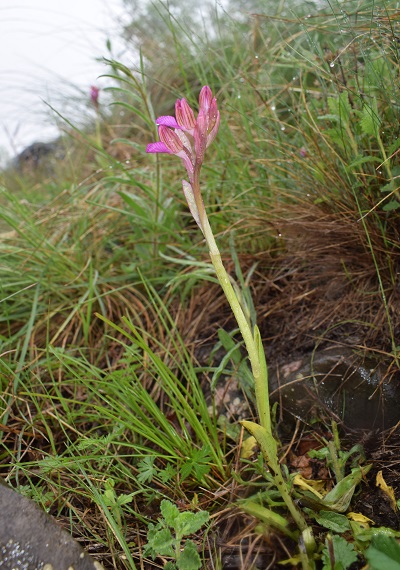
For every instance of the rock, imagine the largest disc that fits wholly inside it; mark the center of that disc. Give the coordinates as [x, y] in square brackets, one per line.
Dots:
[341, 384]
[39, 155]
[31, 540]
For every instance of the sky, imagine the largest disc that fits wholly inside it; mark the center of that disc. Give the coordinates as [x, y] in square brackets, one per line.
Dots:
[48, 54]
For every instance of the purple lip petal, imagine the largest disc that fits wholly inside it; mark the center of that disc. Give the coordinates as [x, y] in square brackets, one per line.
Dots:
[168, 121]
[158, 147]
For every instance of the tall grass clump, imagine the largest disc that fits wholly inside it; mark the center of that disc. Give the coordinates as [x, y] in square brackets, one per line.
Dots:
[118, 350]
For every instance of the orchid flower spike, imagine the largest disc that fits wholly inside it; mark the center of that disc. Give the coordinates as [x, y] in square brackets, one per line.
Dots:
[188, 138]
[184, 135]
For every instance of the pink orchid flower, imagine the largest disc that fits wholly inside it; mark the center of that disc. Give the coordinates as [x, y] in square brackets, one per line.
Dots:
[188, 138]
[94, 95]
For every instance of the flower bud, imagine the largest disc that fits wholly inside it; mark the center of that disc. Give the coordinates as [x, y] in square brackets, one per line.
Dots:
[205, 98]
[184, 114]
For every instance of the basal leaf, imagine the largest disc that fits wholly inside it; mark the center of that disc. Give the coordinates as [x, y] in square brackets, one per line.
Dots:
[384, 553]
[370, 121]
[390, 206]
[340, 108]
[146, 469]
[333, 521]
[343, 553]
[159, 542]
[170, 512]
[188, 523]
[189, 558]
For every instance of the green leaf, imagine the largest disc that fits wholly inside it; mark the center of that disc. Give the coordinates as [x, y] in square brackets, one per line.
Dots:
[267, 516]
[124, 499]
[333, 521]
[170, 512]
[364, 535]
[338, 499]
[189, 523]
[146, 469]
[390, 206]
[198, 464]
[166, 474]
[362, 160]
[266, 441]
[320, 454]
[384, 552]
[340, 108]
[342, 551]
[201, 470]
[189, 558]
[159, 542]
[370, 121]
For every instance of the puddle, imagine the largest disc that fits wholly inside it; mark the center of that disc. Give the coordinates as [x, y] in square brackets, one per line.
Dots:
[341, 384]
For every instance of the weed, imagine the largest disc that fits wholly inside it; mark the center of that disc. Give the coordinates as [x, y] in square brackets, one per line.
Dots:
[165, 538]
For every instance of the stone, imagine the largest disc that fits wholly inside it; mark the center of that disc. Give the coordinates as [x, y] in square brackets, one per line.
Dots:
[39, 155]
[31, 540]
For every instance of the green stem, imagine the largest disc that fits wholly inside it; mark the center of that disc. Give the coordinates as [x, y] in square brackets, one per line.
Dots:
[258, 369]
[267, 442]
[269, 450]
[262, 431]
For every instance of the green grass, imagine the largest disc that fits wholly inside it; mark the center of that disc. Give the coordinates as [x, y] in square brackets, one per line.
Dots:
[107, 296]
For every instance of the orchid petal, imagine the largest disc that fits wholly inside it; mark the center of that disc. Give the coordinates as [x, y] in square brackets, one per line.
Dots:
[212, 114]
[184, 115]
[213, 133]
[205, 98]
[200, 137]
[158, 147]
[168, 121]
[170, 139]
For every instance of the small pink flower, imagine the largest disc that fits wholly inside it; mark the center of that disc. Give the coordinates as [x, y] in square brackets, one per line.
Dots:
[94, 95]
[303, 152]
[186, 136]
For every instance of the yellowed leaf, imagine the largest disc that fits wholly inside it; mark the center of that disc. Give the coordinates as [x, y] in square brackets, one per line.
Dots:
[358, 517]
[248, 447]
[315, 486]
[294, 561]
[389, 492]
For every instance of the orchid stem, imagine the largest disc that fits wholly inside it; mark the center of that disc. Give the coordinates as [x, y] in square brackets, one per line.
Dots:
[259, 370]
